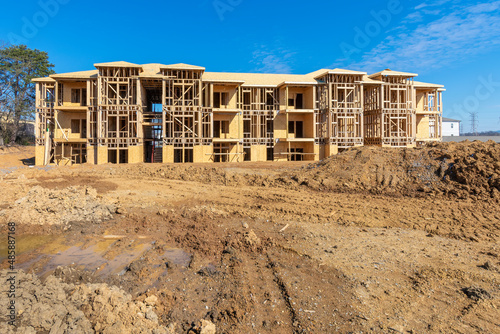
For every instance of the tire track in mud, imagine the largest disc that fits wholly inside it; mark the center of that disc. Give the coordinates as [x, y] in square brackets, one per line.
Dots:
[249, 296]
[285, 295]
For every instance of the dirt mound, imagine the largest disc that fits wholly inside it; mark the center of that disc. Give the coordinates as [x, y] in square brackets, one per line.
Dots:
[458, 170]
[464, 170]
[218, 174]
[59, 207]
[86, 308]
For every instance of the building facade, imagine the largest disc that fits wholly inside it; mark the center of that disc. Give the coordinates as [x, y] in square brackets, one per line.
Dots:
[128, 113]
[451, 127]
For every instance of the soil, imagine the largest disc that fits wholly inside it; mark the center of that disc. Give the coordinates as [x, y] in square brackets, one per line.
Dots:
[371, 240]
[53, 206]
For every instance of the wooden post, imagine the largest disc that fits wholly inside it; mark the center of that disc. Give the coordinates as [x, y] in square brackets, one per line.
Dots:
[381, 113]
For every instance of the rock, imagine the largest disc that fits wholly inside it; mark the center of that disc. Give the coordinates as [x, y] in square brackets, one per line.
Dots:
[229, 250]
[57, 307]
[207, 327]
[476, 293]
[163, 212]
[151, 300]
[488, 266]
[244, 224]
[251, 238]
[120, 211]
[151, 315]
[208, 271]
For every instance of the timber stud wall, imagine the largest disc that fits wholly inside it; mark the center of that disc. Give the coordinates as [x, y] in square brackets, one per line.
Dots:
[124, 112]
[341, 101]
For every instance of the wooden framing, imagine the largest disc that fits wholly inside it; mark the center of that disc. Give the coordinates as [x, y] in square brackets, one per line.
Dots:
[169, 113]
[259, 106]
[118, 107]
[428, 103]
[152, 119]
[45, 100]
[341, 105]
[389, 112]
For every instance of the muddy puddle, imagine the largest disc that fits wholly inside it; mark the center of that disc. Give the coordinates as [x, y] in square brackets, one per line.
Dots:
[105, 258]
[177, 256]
[26, 243]
[47, 253]
[93, 260]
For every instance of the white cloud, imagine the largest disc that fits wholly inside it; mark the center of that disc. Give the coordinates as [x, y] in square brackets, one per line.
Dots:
[485, 7]
[462, 32]
[422, 5]
[277, 60]
[435, 3]
[414, 17]
[431, 12]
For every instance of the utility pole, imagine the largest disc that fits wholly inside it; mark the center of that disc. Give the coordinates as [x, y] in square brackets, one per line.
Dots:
[473, 122]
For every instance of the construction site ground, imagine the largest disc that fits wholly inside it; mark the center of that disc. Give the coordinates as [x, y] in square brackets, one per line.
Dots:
[371, 240]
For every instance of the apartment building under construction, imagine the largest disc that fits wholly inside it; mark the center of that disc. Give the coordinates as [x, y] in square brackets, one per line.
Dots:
[127, 113]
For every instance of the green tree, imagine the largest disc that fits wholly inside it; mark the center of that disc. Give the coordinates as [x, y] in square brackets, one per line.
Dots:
[18, 65]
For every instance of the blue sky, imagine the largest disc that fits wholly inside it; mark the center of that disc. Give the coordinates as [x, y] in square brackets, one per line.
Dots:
[454, 43]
